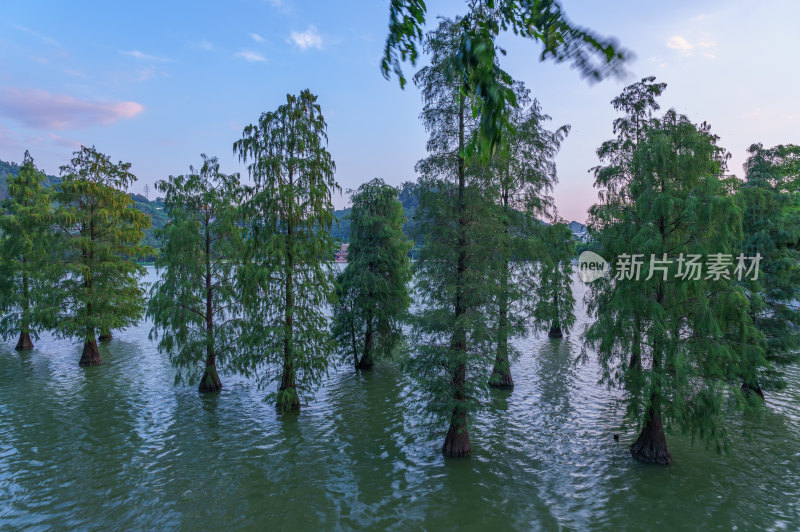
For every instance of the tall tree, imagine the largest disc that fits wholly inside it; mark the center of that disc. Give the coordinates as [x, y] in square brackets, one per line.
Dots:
[770, 197]
[555, 304]
[195, 304]
[456, 217]
[287, 278]
[100, 237]
[26, 271]
[676, 206]
[638, 102]
[373, 286]
[476, 56]
[524, 173]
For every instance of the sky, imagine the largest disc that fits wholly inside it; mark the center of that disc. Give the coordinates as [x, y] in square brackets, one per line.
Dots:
[158, 83]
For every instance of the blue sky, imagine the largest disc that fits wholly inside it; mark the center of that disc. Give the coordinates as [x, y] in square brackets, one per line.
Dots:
[159, 83]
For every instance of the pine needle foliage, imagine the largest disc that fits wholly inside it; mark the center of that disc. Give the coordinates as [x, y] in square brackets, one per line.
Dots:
[373, 288]
[195, 305]
[286, 279]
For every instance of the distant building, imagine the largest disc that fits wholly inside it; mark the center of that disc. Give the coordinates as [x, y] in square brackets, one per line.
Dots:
[341, 255]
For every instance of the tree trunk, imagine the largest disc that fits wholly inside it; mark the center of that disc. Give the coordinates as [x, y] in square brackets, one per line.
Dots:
[24, 343]
[456, 443]
[636, 348]
[287, 399]
[651, 445]
[105, 335]
[210, 381]
[501, 372]
[90, 355]
[753, 388]
[555, 332]
[366, 359]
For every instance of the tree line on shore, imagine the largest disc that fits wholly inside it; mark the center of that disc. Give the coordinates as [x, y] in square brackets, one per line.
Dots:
[245, 272]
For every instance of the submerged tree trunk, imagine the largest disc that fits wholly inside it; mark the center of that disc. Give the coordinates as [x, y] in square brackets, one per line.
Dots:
[753, 388]
[366, 359]
[287, 399]
[210, 381]
[105, 335]
[651, 445]
[555, 332]
[90, 355]
[456, 443]
[24, 343]
[501, 372]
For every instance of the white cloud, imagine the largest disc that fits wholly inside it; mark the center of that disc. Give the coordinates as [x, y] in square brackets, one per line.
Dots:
[205, 45]
[256, 37]
[307, 39]
[251, 56]
[136, 54]
[43, 38]
[676, 42]
[686, 48]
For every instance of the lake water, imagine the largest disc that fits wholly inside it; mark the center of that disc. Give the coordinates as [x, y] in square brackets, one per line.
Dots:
[120, 446]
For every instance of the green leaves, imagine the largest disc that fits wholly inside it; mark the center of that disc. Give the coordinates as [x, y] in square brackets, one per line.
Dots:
[771, 228]
[286, 278]
[476, 61]
[99, 237]
[27, 274]
[373, 296]
[195, 306]
[680, 346]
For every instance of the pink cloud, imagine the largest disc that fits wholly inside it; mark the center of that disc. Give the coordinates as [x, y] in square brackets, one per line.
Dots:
[40, 109]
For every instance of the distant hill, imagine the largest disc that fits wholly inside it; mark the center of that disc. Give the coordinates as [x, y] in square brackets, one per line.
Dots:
[577, 228]
[154, 209]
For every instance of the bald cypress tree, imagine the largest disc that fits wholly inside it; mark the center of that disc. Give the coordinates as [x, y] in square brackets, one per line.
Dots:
[694, 333]
[554, 302]
[457, 218]
[523, 172]
[27, 272]
[770, 199]
[286, 278]
[373, 287]
[100, 236]
[195, 306]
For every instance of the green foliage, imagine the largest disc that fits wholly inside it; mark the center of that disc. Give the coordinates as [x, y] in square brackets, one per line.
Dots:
[100, 235]
[678, 346]
[154, 209]
[158, 219]
[554, 302]
[771, 224]
[195, 305]
[456, 216]
[26, 267]
[286, 277]
[475, 60]
[523, 172]
[373, 287]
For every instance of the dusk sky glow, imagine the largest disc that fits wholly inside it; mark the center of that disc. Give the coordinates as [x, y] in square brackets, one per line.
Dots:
[157, 83]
